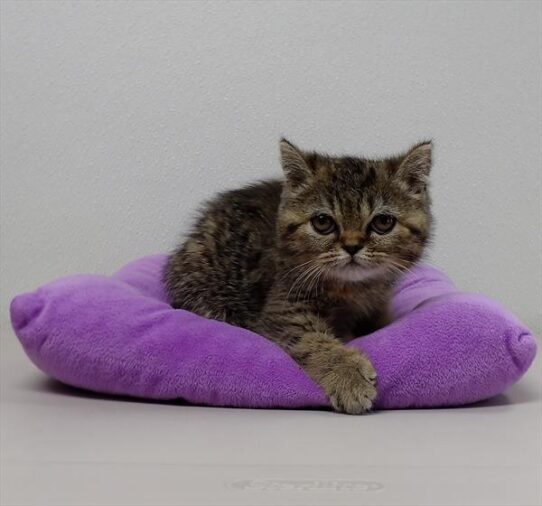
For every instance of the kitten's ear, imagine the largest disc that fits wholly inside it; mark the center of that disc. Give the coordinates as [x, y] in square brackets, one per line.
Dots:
[294, 165]
[415, 167]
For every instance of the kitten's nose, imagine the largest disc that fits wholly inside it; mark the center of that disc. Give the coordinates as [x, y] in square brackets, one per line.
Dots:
[351, 248]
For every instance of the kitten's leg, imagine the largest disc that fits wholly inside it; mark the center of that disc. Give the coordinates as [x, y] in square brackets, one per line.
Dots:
[347, 377]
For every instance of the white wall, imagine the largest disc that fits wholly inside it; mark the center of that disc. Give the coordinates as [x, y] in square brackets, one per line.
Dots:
[118, 118]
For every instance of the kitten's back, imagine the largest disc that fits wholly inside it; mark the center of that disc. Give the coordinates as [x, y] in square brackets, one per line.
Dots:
[225, 267]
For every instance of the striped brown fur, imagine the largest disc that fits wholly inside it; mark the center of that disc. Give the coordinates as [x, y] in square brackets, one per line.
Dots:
[255, 259]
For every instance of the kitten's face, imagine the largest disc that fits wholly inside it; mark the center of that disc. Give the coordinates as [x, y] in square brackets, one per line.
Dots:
[352, 219]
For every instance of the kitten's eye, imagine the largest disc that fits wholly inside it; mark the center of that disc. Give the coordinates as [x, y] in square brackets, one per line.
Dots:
[323, 224]
[383, 223]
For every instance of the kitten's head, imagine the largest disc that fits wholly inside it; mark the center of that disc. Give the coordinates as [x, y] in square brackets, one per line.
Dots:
[351, 218]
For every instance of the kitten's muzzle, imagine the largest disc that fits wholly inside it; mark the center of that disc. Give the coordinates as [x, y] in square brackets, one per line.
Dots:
[352, 249]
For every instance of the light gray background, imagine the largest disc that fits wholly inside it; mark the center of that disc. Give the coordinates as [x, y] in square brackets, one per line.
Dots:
[119, 118]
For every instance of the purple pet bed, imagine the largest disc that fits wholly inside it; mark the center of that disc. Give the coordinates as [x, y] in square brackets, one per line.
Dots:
[118, 335]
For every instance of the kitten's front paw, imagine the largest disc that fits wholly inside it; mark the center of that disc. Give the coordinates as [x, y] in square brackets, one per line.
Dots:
[350, 385]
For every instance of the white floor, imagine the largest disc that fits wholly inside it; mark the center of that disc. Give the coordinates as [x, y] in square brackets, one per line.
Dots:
[63, 447]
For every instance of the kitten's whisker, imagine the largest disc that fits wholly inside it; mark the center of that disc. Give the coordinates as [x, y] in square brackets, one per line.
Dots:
[319, 279]
[307, 285]
[397, 267]
[300, 275]
[398, 263]
[314, 281]
[296, 267]
[301, 279]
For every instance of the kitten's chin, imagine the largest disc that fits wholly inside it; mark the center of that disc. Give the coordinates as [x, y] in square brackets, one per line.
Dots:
[355, 273]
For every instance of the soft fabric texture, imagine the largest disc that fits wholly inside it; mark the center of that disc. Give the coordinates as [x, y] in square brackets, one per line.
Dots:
[118, 335]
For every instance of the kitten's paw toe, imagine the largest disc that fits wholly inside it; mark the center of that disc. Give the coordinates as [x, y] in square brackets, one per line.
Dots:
[355, 399]
[367, 370]
[351, 386]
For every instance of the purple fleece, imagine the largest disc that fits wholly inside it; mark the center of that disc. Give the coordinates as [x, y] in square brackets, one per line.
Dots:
[118, 335]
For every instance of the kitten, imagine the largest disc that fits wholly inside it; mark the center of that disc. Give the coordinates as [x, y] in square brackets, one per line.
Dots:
[310, 261]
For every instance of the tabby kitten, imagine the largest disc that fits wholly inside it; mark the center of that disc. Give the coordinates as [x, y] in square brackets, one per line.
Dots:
[310, 261]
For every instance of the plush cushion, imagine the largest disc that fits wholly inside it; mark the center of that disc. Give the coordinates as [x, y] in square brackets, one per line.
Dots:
[119, 335]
